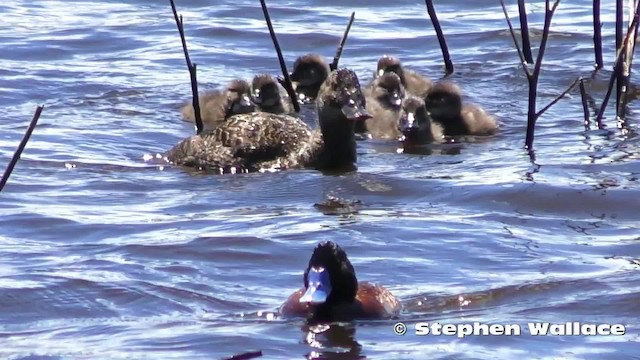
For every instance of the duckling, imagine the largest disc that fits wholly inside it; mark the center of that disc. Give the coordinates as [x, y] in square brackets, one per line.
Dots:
[332, 292]
[415, 125]
[444, 103]
[309, 72]
[267, 142]
[413, 82]
[270, 96]
[218, 105]
[384, 97]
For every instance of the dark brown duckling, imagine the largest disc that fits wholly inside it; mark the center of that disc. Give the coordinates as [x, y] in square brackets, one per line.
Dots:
[270, 96]
[332, 292]
[309, 72]
[218, 105]
[415, 125]
[267, 142]
[444, 103]
[384, 102]
[413, 82]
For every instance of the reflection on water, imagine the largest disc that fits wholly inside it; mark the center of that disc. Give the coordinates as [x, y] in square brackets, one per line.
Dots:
[109, 253]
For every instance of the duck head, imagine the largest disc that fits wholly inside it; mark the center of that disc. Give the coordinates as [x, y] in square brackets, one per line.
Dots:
[309, 72]
[329, 279]
[415, 121]
[444, 100]
[239, 98]
[340, 100]
[390, 64]
[388, 90]
[267, 93]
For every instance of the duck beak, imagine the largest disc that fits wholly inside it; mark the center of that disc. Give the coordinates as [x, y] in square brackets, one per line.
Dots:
[319, 287]
[245, 100]
[356, 112]
[380, 72]
[396, 99]
[408, 122]
[256, 97]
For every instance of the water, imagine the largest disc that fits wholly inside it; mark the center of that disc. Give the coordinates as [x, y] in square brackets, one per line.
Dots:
[103, 255]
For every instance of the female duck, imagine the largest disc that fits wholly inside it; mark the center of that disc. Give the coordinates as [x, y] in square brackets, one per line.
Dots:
[218, 105]
[332, 292]
[309, 73]
[270, 96]
[263, 141]
[413, 82]
[444, 103]
[384, 102]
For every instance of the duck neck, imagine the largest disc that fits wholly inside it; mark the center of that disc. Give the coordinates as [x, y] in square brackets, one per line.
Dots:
[339, 142]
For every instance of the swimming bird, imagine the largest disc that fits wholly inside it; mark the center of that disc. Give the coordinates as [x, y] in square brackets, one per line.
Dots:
[332, 292]
[309, 72]
[445, 106]
[415, 124]
[413, 82]
[218, 105]
[270, 96]
[262, 141]
[384, 97]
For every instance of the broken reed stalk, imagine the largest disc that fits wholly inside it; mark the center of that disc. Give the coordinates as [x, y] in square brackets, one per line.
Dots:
[627, 63]
[21, 147]
[597, 35]
[554, 101]
[283, 66]
[443, 42]
[585, 106]
[246, 356]
[532, 77]
[619, 35]
[336, 59]
[192, 70]
[617, 68]
[524, 32]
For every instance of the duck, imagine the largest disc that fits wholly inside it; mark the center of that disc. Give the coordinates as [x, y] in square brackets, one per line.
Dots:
[259, 141]
[444, 103]
[270, 96]
[332, 291]
[415, 124]
[309, 73]
[384, 97]
[413, 82]
[218, 105]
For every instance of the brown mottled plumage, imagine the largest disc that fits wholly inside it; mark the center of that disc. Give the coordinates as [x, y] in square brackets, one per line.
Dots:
[415, 124]
[263, 141]
[413, 82]
[218, 105]
[444, 103]
[309, 72]
[384, 102]
[342, 297]
[270, 96]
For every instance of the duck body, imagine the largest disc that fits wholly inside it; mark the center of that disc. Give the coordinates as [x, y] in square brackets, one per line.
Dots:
[218, 105]
[332, 292]
[446, 107]
[270, 96]
[415, 124]
[262, 141]
[384, 95]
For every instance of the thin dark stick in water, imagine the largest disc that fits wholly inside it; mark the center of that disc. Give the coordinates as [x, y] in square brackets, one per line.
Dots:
[192, 70]
[283, 66]
[616, 70]
[246, 356]
[523, 62]
[554, 101]
[585, 106]
[336, 59]
[597, 34]
[21, 146]
[533, 79]
[443, 42]
[630, 46]
[619, 35]
[524, 31]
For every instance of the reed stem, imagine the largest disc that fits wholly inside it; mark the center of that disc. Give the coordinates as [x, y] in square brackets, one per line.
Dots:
[448, 64]
[524, 31]
[283, 66]
[336, 59]
[597, 35]
[585, 106]
[21, 146]
[246, 356]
